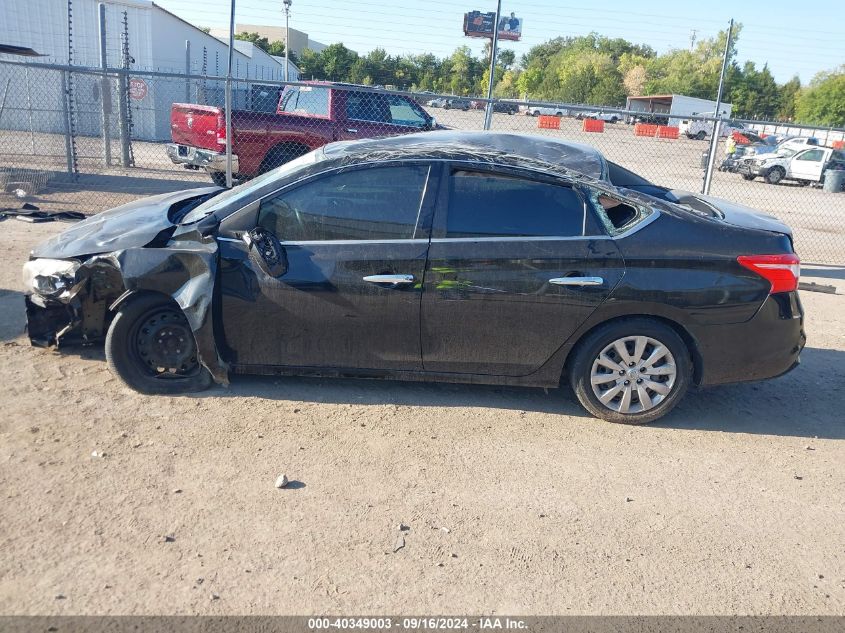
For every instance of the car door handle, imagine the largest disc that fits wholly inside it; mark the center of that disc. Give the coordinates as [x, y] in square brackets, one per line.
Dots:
[396, 280]
[577, 281]
[351, 130]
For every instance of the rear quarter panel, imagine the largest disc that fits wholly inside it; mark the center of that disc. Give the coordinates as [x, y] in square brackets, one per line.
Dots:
[686, 269]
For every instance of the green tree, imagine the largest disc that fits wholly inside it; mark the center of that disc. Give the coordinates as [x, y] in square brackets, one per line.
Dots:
[311, 65]
[789, 93]
[823, 101]
[753, 93]
[337, 61]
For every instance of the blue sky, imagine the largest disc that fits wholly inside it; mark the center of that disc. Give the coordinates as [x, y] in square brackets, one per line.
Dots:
[792, 37]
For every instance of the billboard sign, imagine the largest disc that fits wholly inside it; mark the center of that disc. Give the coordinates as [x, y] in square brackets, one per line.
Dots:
[478, 24]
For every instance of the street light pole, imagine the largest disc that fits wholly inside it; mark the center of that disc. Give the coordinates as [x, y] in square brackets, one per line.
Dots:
[287, 4]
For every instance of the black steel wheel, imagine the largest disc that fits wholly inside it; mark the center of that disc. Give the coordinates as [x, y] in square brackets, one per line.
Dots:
[151, 348]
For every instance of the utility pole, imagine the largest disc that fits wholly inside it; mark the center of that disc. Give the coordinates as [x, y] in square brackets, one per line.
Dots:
[488, 115]
[228, 98]
[717, 123]
[287, 4]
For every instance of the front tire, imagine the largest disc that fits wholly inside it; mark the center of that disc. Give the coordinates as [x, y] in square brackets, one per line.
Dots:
[775, 175]
[748, 176]
[700, 136]
[632, 371]
[150, 347]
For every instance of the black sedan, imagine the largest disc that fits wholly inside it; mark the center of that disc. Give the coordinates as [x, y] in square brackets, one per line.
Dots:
[444, 256]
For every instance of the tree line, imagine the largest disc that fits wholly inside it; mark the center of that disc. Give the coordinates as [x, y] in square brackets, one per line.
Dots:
[589, 69]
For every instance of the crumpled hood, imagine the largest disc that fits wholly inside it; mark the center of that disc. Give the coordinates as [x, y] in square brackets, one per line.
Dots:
[131, 225]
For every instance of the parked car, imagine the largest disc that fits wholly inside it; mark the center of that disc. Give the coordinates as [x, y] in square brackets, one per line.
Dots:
[701, 129]
[452, 256]
[535, 111]
[438, 102]
[506, 107]
[457, 103]
[647, 117]
[798, 143]
[807, 166]
[307, 117]
[608, 117]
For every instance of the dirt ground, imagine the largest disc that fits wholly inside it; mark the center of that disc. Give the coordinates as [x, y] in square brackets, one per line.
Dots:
[515, 501]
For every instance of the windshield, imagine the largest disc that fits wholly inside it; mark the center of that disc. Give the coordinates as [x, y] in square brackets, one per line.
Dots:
[246, 189]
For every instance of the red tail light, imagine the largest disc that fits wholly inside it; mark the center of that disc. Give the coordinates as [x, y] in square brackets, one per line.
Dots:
[782, 271]
[221, 128]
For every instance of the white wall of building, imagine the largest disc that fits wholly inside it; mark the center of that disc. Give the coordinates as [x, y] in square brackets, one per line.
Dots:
[158, 41]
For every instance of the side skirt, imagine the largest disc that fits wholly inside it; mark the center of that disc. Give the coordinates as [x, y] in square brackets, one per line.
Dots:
[538, 379]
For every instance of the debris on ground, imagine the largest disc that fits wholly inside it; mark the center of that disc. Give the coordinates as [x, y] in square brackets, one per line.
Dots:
[282, 481]
[812, 286]
[169, 538]
[399, 544]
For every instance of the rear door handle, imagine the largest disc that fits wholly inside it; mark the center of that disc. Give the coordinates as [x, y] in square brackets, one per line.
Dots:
[396, 280]
[577, 281]
[351, 130]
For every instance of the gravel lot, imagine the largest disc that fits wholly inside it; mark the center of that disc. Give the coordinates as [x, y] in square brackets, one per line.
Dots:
[514, 500]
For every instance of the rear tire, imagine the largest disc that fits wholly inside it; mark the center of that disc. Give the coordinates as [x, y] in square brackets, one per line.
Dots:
[655, 356]
[218, 178]
[150, 347]
[700, 136]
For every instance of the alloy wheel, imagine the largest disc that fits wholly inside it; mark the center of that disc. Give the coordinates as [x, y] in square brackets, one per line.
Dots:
[633, 374]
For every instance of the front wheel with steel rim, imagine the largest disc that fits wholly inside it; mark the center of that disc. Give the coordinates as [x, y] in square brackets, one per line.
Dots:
[632, 371]
[151, 348]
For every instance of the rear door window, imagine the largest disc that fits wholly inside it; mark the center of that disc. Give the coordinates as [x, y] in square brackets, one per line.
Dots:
[306, 100]
[366, 204]
[483, 204]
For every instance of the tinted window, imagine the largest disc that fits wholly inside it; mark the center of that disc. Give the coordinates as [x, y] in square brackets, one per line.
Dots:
[306, 100]
[364, 106]
[366, 204]
[490, 205]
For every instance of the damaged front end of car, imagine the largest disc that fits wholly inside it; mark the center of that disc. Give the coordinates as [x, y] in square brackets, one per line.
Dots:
[71, 298]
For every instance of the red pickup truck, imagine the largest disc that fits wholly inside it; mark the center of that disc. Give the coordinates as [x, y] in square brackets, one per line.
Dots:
[307, 117]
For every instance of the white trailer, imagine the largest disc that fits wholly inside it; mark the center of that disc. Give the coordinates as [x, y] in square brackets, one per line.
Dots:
[675, 107]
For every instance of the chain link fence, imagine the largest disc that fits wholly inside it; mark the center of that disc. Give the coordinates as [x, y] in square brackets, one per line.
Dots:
[85, 139]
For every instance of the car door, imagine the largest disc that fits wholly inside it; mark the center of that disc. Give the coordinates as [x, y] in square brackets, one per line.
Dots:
[517, 263]
[807, 165]
[372, 115]
[356, 242]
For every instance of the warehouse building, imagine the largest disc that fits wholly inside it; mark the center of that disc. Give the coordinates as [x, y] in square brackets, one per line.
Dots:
[155, 39]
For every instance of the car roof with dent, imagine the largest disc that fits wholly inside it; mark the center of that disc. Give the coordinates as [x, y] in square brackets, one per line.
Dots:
[517, 150]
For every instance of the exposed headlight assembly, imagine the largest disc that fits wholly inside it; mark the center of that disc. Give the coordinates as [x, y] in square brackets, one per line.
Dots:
[50, 277]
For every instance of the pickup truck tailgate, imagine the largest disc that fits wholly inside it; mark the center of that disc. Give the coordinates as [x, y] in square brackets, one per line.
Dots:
[198, 126]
